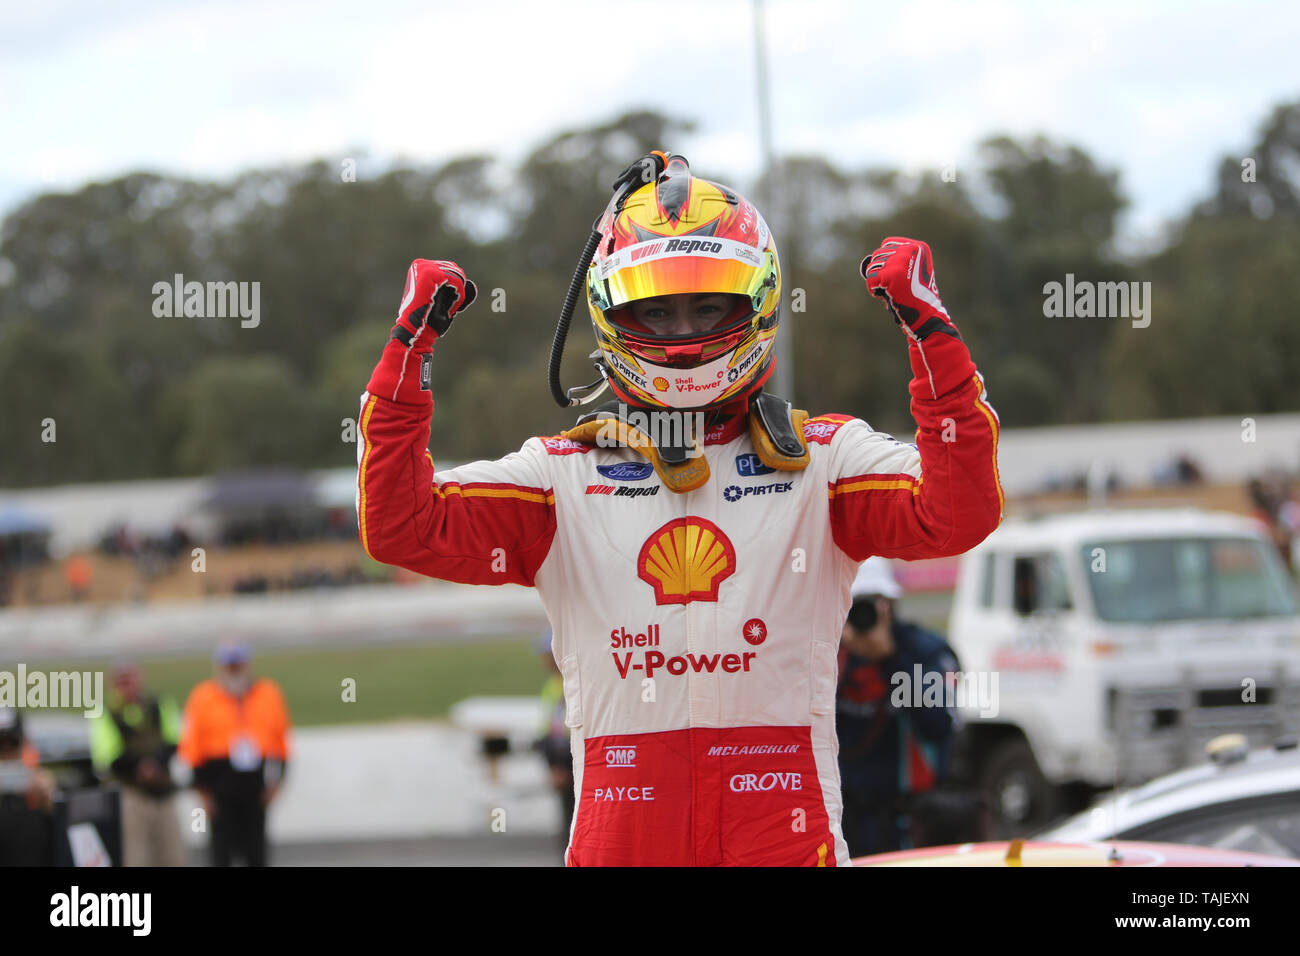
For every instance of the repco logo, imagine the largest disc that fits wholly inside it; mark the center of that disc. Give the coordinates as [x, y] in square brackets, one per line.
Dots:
[761, 783]
[692, 245]
[623, 491]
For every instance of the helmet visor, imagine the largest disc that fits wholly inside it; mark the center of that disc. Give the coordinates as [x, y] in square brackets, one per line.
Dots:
[685, 348]
[666, 266]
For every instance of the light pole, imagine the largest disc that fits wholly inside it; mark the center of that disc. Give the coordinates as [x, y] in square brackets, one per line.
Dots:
[784, 374]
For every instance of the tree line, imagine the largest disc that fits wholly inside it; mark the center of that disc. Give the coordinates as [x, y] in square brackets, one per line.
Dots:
[100, 382]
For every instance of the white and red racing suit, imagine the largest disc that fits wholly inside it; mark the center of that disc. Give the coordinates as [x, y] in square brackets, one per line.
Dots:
[697, 632]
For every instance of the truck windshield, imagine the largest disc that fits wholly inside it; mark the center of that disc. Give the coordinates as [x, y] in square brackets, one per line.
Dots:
[1171, 579]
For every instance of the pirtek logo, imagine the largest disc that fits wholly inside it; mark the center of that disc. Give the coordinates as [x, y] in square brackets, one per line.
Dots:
[744, 364]
[759, 783]
[735, 492]
[692, 245]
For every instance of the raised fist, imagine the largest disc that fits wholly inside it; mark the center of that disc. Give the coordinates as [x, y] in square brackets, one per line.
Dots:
[436, 290]
[901, 272]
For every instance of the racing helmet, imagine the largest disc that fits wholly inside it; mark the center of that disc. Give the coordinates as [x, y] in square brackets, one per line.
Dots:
[680, 234]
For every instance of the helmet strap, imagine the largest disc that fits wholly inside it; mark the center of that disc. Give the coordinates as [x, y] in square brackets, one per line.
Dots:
[680, 469]
[776, 429]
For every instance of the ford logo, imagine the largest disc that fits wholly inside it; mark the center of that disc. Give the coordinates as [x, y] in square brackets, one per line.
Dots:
[627, 470]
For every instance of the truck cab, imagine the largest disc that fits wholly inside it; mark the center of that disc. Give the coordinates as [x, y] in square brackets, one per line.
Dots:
[1122, 641]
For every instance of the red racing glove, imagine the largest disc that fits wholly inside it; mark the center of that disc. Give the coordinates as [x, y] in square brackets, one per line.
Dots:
[436, 292]
[436, 289]
[901, 272]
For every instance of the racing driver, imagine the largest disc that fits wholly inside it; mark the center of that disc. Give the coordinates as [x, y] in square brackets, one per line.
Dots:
[697, 581]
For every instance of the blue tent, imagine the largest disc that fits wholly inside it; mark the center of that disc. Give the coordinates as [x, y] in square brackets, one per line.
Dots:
[14, 521]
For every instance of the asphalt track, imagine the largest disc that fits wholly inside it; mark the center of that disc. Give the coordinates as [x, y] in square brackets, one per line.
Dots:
[495, 851]
[499, 850]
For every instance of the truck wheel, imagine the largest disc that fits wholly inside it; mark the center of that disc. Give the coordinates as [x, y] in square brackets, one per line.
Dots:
[1020, 798]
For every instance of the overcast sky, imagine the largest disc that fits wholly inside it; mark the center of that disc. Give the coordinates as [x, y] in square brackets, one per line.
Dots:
[1161, 90]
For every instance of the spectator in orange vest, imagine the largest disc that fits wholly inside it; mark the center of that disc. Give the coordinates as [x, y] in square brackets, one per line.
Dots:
[236, 737]
[79, 575]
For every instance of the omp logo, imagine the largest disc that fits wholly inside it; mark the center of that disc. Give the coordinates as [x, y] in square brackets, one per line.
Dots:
[600, 489]
[627, 470]
[823, 428]
[622, 756]
[761, 783]
[645, 249]
[559, 445]
[686, 560]
[688, 246]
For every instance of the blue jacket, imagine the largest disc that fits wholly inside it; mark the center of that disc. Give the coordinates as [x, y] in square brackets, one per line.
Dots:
[888, 745]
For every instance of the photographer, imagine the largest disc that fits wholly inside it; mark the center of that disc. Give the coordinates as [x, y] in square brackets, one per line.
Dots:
[889, 754]
[26, 798]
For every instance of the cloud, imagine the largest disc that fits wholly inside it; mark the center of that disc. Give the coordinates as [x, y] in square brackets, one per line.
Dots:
[210, 88]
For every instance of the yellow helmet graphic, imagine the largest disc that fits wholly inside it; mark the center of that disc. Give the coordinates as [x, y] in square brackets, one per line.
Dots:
[680, 235]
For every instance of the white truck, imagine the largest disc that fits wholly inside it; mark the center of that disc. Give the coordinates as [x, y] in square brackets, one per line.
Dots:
[1121, 642]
